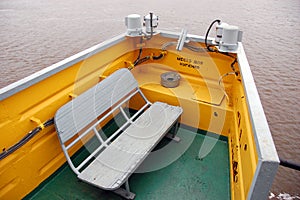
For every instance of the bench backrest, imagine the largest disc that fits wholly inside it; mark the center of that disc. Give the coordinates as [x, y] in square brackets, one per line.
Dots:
[84, 109]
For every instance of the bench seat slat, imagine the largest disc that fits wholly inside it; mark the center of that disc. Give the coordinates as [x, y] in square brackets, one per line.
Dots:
[119, 160]
[77, 114]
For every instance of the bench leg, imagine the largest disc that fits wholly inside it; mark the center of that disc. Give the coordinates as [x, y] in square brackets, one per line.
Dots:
[172, 135]
[125, 193]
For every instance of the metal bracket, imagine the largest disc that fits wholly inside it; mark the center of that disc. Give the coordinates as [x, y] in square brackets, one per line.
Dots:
[38, 122]
[173, 136]
[72, 95]
[181, 40]
[125, 193]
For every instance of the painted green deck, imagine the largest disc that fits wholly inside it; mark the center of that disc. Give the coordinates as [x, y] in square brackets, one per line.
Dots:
[186, 178]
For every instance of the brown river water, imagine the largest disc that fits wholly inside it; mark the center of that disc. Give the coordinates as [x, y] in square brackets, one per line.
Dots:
[35, 34]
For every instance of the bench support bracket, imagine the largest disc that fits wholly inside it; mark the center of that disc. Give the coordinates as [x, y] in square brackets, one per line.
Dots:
[125, 193]
[172, 135]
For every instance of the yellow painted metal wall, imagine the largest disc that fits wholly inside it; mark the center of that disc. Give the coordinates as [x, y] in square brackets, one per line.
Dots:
[202, 98]
[26, 168]
[243, 154]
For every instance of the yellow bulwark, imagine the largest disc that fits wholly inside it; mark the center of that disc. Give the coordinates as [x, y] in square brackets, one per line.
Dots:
[212, 98]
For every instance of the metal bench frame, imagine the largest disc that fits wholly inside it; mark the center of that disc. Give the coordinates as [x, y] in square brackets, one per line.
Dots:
[81, 116]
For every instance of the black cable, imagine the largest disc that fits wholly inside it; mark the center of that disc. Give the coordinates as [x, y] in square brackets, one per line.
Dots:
[158, 57]
[142, 60]
[233, 68]
[232, 64]
[140, 52]
[25, 139]
[289, 164]
[49, 122]
[207, 32]
[151, 23]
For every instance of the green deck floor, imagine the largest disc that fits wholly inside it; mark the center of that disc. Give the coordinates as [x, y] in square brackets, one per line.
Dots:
[186, 178]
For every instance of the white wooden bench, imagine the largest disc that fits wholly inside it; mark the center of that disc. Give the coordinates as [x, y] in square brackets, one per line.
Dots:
[110, 164]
